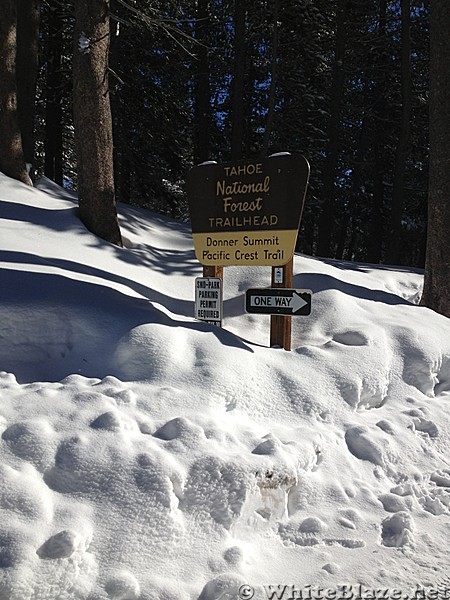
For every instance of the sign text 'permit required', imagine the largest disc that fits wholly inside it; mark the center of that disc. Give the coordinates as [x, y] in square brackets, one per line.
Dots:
[208, 300]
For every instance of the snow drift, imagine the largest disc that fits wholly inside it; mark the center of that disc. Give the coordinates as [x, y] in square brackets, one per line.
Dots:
[146, 455]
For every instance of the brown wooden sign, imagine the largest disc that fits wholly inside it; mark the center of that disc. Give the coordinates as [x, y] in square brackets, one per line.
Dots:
[247, 212]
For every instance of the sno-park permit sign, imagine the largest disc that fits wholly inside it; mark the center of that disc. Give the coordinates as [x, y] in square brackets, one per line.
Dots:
[209, 300]
[247, 212]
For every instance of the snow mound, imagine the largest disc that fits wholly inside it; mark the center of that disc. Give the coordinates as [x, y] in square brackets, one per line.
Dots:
[145, 455]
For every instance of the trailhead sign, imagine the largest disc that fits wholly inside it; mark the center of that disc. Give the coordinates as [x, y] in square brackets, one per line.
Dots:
[247, 212]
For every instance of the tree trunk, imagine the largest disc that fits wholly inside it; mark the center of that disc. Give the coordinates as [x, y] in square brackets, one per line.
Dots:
[120, 129]
[394, 239]
[436, 292]
[27, 71]
[376, 229]
[237, 90]
[375, 242]
[12, 161]
[92, 120]
[327, 216]
[273, 83]
[202, 102]
[349, 216]
[53, 142]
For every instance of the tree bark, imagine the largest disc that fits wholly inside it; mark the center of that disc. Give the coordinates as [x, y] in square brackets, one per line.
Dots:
[379, 134]
[350, 213]
[53, 142]
[202, 102]
[394, 239]
[273, 83]
[327, 216]
[237, 90]
[436, 292]
[92, 120]
[12, 161]
[120, 130]
[375, 241]
[27, 71]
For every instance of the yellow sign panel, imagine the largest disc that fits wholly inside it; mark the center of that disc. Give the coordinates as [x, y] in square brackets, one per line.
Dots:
[274, 247]
[248, 212]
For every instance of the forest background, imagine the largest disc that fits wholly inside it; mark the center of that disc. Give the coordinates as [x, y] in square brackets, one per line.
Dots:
[343, 82]
[119, 98]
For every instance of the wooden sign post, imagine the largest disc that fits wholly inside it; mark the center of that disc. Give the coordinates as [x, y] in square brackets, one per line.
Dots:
[281, 327]
[212, 271]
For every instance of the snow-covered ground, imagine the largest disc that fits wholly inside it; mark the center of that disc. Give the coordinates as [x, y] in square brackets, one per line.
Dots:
[145, 455]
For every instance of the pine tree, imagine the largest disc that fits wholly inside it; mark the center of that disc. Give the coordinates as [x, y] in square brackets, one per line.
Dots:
[27, 72]
[92, 120]
[12, 161]
[436, 293]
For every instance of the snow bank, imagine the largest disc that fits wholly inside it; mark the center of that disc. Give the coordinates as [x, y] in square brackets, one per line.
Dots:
[147, 455]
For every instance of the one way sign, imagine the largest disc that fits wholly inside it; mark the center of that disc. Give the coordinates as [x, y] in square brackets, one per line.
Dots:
[278, 301]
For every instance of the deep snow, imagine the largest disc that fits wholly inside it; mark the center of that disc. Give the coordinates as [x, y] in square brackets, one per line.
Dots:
[144, 454]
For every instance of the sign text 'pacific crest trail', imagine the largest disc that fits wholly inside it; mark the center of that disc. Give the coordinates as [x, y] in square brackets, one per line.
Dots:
[247, 212]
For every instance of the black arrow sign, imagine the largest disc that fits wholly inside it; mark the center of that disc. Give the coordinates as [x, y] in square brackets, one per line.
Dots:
[278, 301]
